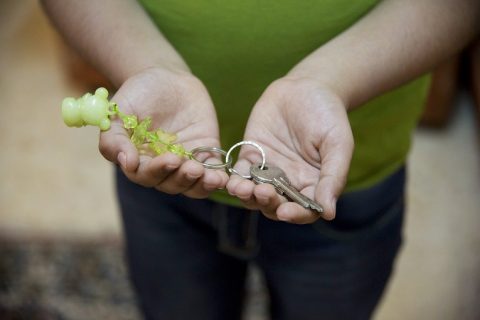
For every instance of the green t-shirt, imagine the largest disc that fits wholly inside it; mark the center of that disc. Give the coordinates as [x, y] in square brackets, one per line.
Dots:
[237, 48]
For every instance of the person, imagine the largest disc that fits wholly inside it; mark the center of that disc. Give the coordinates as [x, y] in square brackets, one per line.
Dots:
[303, 79]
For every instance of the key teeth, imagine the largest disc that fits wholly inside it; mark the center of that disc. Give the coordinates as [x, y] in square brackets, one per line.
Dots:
[316, 208]
[276, 177]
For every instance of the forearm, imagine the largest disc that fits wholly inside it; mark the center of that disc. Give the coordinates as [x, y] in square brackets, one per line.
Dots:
[396, 42]
[116, 36]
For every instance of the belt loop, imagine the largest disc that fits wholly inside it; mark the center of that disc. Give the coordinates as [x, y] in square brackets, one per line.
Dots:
[247, 226]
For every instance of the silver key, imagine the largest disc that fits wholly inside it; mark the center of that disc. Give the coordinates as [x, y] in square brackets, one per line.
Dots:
[277, 177]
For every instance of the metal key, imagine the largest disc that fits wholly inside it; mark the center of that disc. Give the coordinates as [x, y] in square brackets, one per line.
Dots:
[277, 177]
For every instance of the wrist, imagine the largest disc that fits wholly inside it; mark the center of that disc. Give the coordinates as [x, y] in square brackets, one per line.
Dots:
[322, 84]
[172, 67]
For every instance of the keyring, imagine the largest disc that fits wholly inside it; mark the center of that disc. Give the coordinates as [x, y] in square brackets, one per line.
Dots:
[228, 159]
[214, 150]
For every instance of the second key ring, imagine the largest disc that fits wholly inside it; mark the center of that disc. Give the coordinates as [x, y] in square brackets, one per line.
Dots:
[228, 158]
[198, 150]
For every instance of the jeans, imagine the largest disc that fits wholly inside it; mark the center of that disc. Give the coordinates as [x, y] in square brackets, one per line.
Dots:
[188, 258]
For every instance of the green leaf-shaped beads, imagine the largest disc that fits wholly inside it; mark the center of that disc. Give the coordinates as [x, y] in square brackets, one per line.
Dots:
[96, 110]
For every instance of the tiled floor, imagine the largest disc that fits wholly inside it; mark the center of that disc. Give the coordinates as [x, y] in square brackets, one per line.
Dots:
[55, 183]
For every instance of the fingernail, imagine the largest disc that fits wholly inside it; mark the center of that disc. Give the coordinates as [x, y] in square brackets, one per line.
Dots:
[210, 187]
[122, 159]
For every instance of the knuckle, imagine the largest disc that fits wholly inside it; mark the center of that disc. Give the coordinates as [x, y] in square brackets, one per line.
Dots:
[251, 205]
[196, 194]
[133, 177]
[166, 190]
[146, 184]
[170, 189]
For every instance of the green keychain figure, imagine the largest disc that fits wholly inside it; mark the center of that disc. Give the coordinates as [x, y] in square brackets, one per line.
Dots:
[96, 110]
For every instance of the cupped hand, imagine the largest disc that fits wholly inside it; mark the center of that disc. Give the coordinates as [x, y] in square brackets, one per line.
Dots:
[178, 103]
[304, 129]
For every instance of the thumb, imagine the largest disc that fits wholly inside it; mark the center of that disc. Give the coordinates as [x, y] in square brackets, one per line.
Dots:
[333, 176]
[116, 146]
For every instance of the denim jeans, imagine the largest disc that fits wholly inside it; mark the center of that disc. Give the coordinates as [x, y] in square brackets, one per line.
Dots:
[188, 258]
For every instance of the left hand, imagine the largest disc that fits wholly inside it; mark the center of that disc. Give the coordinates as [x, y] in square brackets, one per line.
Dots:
[304, 129]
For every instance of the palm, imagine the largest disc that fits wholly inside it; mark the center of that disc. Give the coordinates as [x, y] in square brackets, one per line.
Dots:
[309, 135]
[177, 104]
[281, 151]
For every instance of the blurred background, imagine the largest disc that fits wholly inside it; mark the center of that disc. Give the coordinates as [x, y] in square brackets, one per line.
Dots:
[61, 250]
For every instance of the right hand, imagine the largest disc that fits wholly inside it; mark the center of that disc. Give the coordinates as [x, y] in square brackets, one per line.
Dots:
[178, 103]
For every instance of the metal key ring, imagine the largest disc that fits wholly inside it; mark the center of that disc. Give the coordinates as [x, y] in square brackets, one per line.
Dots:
[214, 150]
[228, 159]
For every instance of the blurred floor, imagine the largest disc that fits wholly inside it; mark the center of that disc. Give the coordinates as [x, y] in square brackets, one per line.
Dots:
[438, 271]
[54, 181]
[55, 184]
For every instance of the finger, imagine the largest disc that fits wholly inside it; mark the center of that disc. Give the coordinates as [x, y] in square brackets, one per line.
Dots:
[244, 192]
[215, 179]
[153, 171]
[268, 200]
[239, 186]
[212, 180]
[235, 182]
[115, 146]
[183, 178]
[294, 213]
[232, 184]
[242, 167]
[335, 162]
